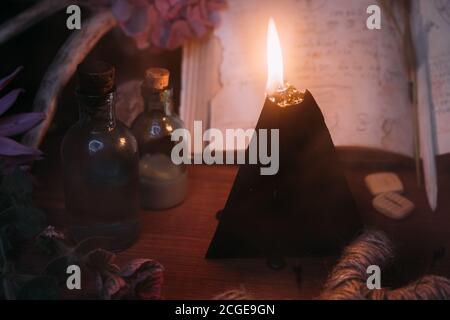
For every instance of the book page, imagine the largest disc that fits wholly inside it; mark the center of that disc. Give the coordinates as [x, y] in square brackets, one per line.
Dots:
[434, 58]
[356, 75]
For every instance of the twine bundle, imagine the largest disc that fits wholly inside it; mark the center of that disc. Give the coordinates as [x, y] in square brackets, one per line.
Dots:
[235, 294]
[347, 281]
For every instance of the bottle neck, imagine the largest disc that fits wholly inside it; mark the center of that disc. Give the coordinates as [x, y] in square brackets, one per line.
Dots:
[99, 111]
[158, 101]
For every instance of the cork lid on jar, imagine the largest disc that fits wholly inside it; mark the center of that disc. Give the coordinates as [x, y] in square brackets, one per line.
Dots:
[96, 77]
[156, 79]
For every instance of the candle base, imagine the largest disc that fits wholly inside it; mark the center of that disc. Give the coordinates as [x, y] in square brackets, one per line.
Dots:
[305, 209]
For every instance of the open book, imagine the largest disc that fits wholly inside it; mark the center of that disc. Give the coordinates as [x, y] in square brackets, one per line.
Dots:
[358, 76]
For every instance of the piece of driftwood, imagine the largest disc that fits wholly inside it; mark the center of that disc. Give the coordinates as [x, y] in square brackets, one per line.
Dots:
[29, 17]
[73, 52]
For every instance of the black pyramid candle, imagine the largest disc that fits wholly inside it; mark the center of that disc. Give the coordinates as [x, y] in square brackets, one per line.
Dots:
[307, 207]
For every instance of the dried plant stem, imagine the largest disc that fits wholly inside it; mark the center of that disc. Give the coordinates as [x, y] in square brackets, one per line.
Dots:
[29, 17]
[73, 52]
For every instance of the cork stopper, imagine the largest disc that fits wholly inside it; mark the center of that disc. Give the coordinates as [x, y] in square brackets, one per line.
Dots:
[96, 78]
[156, 79]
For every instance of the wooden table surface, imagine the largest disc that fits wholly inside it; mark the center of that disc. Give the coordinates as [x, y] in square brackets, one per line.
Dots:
[179, 237]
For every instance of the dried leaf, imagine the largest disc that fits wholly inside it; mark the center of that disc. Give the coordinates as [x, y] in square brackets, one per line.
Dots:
[19, 123]
[4, 82]
[9, 147]
[8, 100]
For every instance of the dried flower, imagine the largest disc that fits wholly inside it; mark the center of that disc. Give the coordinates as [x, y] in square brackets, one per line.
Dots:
[166, 24]
[139, 279]
[145, 278]
[112, 286]
[51, 233]
[12, 152]
[51, 241]
[101, 261]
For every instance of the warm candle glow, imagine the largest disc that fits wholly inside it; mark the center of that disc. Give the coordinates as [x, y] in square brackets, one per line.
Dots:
[275, 80]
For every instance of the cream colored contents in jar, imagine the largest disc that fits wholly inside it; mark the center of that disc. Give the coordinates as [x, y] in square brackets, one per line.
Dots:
[163, 184]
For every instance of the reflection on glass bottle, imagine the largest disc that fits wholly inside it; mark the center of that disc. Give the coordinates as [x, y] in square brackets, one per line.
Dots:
[100, 164]
[163, 184]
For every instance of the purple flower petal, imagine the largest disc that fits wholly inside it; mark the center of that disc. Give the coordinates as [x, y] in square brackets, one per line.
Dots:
[195, 19]
[180, 32]
[203, 7]
[19, 123]
[122, 10]
[8, 100]
[216, 5]
[214, 19]
[177, 2]
[138, 23]
[4, 82]
[163, 7]
[176, 10]
[166, 24]
[9, 147]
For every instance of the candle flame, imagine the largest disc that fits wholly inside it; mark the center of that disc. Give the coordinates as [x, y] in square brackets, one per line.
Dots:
[275, 80]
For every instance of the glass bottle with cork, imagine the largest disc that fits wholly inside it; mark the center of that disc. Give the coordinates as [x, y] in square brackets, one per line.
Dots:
[100, 164]
[162, 183]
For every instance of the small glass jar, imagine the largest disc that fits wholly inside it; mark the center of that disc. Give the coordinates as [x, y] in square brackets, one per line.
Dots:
[100, 164]
[162, 183]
